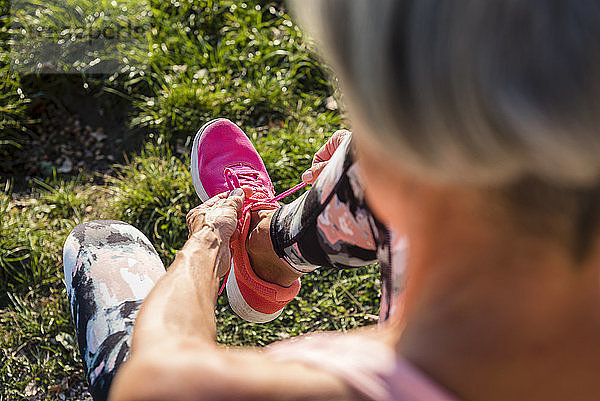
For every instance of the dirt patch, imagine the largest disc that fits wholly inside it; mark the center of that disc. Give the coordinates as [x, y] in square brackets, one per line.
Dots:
[75, 128]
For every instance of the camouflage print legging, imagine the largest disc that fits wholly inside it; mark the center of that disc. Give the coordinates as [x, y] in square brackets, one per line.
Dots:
[110, 266]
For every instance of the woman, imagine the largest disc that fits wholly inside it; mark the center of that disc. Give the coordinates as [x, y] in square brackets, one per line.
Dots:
[475, 133]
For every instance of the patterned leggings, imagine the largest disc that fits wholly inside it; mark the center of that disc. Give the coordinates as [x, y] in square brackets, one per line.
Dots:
[110, 266]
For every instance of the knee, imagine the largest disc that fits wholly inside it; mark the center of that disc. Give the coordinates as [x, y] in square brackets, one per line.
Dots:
[103, 232]
[96, 234]
[98, 248]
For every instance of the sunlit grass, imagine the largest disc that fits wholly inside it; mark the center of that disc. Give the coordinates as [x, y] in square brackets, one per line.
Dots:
[203, 59]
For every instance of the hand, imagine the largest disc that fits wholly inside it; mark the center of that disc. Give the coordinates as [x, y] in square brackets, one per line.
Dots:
[323, 155]
[220, 214]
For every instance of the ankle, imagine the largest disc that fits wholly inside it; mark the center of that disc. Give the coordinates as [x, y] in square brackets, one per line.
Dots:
[263, 259]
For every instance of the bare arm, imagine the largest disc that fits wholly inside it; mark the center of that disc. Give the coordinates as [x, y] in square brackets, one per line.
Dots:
[174, 352]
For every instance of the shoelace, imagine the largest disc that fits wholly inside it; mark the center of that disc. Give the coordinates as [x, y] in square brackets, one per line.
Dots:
[248, 179]
[246, 176]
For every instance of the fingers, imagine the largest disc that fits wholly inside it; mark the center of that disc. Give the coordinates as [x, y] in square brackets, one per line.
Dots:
[323, 155]
[310, 175]
[215, 199]
[236, 198]
[327, 150]
[221, 211]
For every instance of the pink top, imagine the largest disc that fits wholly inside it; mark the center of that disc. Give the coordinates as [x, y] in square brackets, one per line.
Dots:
[368, 366]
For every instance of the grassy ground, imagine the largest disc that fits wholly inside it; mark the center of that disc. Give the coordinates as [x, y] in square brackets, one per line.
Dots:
[245, 61]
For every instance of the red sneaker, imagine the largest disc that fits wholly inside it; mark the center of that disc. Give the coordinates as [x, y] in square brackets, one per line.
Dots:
[223, 158]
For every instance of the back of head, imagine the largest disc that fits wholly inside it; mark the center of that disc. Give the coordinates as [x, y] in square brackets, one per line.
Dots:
[500, 94]
[471, 91]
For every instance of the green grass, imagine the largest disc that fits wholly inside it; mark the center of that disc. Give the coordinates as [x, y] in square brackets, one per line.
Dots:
[203, 59]
[37, 334]
[12, 100]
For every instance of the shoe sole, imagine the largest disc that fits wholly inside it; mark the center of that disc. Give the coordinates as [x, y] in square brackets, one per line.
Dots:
[239, 304]
[235, 297]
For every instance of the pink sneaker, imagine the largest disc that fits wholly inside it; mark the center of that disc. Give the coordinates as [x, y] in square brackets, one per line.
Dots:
[223, 158]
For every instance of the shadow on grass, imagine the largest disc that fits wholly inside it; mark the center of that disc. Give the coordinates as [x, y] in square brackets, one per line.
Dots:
[75, 126]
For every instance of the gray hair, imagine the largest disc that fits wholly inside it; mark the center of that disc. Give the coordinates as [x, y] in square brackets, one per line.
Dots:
[471, 91]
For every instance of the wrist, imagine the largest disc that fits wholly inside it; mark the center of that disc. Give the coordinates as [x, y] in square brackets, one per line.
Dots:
[201, 253]
[206, 238]
[208, 252]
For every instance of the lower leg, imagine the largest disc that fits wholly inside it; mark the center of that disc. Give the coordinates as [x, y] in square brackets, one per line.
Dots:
[109, 267]
[265, 262]
[330, 225]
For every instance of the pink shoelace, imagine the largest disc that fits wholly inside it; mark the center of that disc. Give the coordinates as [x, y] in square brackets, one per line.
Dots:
[249, 177]
[246, 176]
